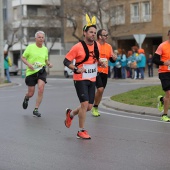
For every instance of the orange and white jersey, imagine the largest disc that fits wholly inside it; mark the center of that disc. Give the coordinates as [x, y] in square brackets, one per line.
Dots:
[77, 52]
[106, 52]
[164, 51]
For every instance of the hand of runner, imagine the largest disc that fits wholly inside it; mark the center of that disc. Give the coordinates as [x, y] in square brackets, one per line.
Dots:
[30, 66]
[50, 65]
[114, 56]
[103, 62]
[81, 70]
[167, 63]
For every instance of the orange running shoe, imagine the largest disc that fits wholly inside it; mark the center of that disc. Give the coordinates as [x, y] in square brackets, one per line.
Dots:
[68, 118]
[83, 135]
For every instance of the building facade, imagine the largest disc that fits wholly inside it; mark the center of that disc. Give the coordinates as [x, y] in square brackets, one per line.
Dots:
[128, 18]
[63, 26]
[28, 17]
[140, 17]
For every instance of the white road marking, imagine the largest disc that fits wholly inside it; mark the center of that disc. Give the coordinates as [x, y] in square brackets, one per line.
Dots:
[132, 117]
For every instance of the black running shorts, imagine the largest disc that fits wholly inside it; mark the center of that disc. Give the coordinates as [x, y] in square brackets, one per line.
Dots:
[32, 80]
[101, 80]
[165, 80]
[85, 90]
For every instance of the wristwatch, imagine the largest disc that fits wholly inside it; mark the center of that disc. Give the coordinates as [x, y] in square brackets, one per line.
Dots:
[75, 69]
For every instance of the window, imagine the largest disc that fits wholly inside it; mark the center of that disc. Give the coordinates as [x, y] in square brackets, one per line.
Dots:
[113, 16]
[4, 10]
[41, 11]
[117, 15]
[146, 11]
[15, 14]
[32, 10]
[141, 12]
[135, 13]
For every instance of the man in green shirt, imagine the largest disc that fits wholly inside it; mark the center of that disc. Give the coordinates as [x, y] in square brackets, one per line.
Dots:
[35, 57]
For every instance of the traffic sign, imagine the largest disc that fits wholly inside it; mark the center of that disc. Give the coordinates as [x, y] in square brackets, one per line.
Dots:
[139, 38]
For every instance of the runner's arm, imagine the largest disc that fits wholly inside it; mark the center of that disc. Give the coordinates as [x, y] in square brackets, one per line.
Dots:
[156, 59]
[24, 60]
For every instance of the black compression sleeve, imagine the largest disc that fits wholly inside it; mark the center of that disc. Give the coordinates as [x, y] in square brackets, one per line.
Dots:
[156, 59]
[66, 62]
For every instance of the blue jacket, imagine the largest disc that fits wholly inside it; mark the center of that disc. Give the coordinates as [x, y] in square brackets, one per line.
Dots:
[111, 64]
[123, 60]
[141, 60]
[6, 65]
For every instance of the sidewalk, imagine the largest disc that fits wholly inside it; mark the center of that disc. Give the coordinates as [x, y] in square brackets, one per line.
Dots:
[7, 84]
[107, 102]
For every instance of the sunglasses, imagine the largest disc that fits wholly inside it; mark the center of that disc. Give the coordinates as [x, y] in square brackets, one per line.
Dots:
[105, 35]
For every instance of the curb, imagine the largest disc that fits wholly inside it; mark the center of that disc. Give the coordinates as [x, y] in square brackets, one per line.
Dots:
[107, 102]
[7, 84]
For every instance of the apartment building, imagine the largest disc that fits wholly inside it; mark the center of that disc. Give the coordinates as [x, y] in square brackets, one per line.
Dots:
[62, 21]
[147, 17]
[29, 16]
[128, 17]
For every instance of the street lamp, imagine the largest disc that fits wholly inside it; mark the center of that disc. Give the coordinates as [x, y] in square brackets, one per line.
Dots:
[1, 41]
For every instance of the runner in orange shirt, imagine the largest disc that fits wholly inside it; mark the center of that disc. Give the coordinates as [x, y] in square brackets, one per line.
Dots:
[85, 72]
[162, 58]
[106, 54]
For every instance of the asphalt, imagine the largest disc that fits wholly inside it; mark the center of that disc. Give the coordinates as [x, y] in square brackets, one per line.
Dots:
[108, 103]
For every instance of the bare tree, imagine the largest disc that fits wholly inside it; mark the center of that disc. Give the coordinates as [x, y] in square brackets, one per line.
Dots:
[9, 36]
[102, 9]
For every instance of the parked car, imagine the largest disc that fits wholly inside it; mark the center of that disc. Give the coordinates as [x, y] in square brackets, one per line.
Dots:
[13, 69]
[67, 72]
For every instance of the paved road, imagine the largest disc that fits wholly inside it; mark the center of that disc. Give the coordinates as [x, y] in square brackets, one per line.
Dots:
[120, 140]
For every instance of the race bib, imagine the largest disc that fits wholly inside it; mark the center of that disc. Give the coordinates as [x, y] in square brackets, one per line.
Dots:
[168, 67]
[37, 65]
[91, 71]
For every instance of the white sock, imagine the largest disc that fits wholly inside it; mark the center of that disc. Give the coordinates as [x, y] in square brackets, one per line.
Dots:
[71, 114]
[81, 129]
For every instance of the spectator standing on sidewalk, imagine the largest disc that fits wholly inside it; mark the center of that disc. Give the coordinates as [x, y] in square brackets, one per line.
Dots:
[111, 69]
[134, 56]
[6, 67]
[150, 65]
[129, 61]
[141, 62]
[123, 64]
[106, 55]
[162, 58]
[118, 64]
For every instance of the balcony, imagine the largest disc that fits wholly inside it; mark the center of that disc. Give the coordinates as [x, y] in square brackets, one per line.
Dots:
[33, 2]
[146, 18]
[37, 23]
[135, 19]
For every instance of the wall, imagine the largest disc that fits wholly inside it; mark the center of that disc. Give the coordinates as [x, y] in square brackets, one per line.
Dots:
[57, 62]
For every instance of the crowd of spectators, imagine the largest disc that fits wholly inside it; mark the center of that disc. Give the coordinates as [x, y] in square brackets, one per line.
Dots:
[131, 64]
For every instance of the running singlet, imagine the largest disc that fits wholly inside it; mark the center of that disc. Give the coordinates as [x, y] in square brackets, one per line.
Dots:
[35, 56]
[164, 51]
[77, 52]
[105, 52]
